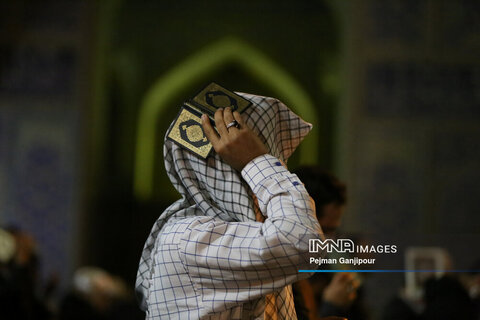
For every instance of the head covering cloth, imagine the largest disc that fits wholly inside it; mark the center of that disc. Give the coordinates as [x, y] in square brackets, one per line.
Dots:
[210, 187]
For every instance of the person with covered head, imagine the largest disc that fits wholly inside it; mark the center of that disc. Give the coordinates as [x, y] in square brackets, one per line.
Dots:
[235, 241]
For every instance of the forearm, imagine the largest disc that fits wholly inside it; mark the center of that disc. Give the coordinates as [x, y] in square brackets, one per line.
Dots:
[282, 198]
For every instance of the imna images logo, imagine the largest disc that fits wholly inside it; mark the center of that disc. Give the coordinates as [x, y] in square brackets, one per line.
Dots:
[347, 246]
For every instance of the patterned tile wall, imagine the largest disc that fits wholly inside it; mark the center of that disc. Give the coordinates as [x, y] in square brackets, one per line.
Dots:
[413, 146]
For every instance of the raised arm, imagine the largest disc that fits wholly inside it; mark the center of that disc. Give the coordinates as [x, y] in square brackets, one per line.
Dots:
[250, 259]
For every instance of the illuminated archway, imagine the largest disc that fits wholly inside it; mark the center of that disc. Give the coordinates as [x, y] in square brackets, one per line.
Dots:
[194, 70]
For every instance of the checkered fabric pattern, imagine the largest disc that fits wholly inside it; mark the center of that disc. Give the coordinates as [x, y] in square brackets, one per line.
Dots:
[207, 257]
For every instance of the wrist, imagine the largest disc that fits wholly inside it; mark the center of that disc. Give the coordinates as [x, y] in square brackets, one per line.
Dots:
[262, 168]
[250, 160]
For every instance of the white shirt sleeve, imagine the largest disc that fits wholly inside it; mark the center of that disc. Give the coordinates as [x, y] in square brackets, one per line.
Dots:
[241, 261]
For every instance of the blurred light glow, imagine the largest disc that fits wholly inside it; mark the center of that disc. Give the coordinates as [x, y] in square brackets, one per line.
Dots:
[196, 69]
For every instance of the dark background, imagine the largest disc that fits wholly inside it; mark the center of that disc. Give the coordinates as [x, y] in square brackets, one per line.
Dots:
[395, 87]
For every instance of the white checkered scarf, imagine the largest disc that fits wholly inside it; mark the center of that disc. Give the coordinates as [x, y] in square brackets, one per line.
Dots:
[211, 187]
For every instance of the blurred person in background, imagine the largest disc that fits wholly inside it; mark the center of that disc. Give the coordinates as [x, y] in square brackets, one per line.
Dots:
[446, 298]
[97, 295]
[19, 287]
[327, 294]
[449, 296]
[472, 283]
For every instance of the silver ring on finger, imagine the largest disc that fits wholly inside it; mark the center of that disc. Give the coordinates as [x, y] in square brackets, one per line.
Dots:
[234, 123]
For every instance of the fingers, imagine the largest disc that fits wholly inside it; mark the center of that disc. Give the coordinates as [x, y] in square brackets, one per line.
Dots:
[341, 277]
[222, 117]
[220, 123]
[212, 136]
[346, 277]
[236, 148]
[239, 119]
[349, 282]
[355, 284]
[228, 116]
